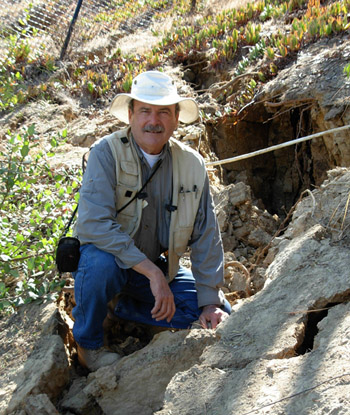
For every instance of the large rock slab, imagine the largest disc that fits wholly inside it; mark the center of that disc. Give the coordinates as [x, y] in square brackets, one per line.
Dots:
[136, 384]
[315, 383]
[34, 359]
[267, 359]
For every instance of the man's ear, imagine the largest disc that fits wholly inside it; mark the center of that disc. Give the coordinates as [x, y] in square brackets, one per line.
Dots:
[177, 119]
[129, 114]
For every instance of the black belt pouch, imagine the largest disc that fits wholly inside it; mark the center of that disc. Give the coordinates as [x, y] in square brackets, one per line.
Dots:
[68, 254]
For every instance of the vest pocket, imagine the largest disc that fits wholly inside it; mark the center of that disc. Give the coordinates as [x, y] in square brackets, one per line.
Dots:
[187, 206]
[128, 183]
[128, 174]
[127, 218]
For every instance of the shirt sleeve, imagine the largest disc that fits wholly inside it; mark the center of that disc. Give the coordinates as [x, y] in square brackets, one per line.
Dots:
[207, 255]
[96, 222]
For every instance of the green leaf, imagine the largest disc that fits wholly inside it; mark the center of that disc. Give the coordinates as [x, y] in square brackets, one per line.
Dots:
[4, 304]
[62, 283]
[347, 70]
[31, 129]
[25, 150]
[48, 207]
[14, 273]
[2, 287]
[90, 87]
[54, 142]
[31, 263]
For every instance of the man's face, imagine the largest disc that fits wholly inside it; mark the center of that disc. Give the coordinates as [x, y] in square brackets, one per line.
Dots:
[152, 125]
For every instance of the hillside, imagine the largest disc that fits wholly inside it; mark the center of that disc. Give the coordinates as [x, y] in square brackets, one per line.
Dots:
[264, 74]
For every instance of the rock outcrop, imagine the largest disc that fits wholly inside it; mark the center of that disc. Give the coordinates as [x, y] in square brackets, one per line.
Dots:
[35, 364]
[285, 350]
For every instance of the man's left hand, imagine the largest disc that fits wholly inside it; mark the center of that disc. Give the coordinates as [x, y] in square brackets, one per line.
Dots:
[212, 314]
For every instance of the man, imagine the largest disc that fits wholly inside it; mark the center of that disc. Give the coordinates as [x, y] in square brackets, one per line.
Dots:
[145, 198]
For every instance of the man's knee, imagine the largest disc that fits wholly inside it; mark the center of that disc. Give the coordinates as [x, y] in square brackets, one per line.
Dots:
[99, 275]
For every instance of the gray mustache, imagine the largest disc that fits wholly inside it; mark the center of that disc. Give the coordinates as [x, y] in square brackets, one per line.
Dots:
[153, 129]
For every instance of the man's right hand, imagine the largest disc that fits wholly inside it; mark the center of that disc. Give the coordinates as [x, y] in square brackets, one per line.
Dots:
[164, 306]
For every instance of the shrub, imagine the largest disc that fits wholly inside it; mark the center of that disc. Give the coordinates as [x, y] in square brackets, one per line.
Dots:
[35, 203]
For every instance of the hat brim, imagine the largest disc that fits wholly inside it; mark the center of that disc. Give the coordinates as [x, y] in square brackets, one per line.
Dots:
[189, 111]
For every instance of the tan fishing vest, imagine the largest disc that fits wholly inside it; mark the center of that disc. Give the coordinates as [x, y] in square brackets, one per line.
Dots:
[188, 181]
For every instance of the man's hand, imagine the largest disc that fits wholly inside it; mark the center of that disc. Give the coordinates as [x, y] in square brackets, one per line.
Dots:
[164, 306]
[212, 314]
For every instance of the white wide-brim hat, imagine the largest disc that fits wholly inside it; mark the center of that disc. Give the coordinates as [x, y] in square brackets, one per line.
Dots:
[156, 88]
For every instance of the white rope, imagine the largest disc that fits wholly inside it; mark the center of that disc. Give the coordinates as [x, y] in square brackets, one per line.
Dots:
[276, 147]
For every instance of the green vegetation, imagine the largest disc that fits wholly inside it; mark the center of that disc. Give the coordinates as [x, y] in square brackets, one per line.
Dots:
[16, 77]
[227, 36]
[35, 203]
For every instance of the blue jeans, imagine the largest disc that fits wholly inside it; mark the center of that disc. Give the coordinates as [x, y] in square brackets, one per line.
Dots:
[99, 278]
